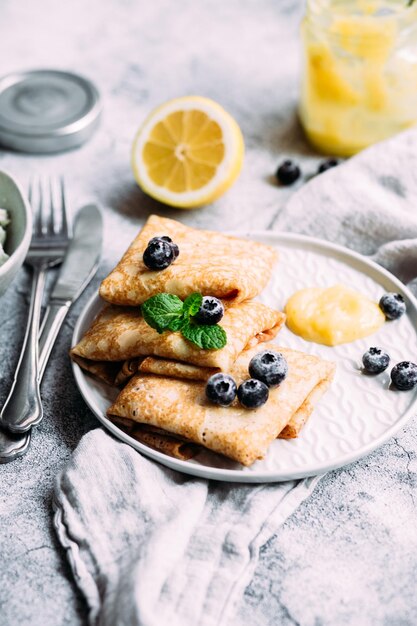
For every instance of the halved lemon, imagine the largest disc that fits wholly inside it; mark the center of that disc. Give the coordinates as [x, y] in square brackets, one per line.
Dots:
[188, 152]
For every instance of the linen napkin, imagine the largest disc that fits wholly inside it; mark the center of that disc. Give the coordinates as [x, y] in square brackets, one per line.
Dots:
[149, 546]
[368, 204]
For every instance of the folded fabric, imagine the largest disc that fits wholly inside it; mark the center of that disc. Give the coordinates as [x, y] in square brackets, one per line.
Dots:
[210, 263]
[366, 204]
[180, 407]
[150, 546]
[120, 333]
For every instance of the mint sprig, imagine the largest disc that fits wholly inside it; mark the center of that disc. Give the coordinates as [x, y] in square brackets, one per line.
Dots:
[162, 311]
[166, 311]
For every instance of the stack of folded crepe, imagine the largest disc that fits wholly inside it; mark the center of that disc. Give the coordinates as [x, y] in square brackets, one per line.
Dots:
[162, 402]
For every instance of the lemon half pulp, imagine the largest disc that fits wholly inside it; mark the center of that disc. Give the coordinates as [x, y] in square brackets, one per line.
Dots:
[188, 152]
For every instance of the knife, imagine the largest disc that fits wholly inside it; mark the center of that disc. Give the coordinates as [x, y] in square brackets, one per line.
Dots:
[80, 264]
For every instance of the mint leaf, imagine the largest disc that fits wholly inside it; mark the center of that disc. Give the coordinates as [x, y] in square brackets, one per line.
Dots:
[192, 304]
[211, 337]
[176, 323]
[163, 311]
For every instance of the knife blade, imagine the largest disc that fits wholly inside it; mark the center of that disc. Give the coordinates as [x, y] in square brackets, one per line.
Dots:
[79, 266]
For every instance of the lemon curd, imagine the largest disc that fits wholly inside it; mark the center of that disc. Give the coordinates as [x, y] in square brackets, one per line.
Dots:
[332, 315]
[359, 78]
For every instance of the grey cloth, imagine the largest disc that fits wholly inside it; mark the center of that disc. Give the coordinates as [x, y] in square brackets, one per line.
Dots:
[152, 547]
[368, 204]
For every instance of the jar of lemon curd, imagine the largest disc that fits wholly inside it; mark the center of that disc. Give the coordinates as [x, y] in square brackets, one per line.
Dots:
[359, 76]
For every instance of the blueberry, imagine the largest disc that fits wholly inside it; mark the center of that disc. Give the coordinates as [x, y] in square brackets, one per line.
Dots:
[375, 360]
[252, 393]
[173, 245]
[268, 366]
[288, 172]
[392, 305]
[164, 238]
[211, 311]
[327, 165]
[404, 375]
[175, 249]
[160, 253]
[221, 389]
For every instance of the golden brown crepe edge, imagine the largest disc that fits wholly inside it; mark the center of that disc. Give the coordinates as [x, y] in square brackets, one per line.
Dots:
[175, 369]
[103, 371]
[273, 320]
[106, 288]
[300, 417]
[157, 439]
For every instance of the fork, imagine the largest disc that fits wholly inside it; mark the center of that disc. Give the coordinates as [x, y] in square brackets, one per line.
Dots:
[50, 238]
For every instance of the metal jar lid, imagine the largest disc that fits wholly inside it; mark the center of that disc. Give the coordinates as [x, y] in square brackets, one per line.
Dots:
[47, 110]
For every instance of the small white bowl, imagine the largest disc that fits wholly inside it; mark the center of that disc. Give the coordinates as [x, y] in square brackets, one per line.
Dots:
[19, 231]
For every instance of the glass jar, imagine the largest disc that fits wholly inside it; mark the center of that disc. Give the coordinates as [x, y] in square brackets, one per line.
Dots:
[359, 76]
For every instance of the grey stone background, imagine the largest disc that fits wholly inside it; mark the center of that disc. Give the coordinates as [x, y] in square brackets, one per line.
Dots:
[348, 554]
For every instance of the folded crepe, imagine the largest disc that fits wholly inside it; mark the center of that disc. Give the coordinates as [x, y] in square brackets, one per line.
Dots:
[174, 369]
[157, 439]
[118, 374]
[121, 333]
[104, 371]
[210, 263]
[179, 407]
[163, 367]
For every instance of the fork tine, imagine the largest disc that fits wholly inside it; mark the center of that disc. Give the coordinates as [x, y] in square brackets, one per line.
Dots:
[65, 225]
[49, 207]
[53, 226]
[32, 202]
[33, 198]
[30, 191]
[37, 206]
[43, 208]
[57, 207]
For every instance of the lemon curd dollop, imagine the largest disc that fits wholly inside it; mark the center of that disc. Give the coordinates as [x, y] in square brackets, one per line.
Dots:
[332, 315]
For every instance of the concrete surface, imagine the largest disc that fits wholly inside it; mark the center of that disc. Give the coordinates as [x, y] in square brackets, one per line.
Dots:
[348, 554]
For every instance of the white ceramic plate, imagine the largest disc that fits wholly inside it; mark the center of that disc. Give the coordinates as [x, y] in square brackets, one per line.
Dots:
[356, 415]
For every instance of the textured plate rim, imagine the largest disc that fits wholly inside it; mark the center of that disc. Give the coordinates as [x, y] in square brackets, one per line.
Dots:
[220, 474]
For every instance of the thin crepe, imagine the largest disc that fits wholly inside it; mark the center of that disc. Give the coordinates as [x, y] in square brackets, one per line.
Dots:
[157, 439]
[174, 369]
[120, 333]
[119, 374]
[105, 371]
[180, 407]
[209, 262]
